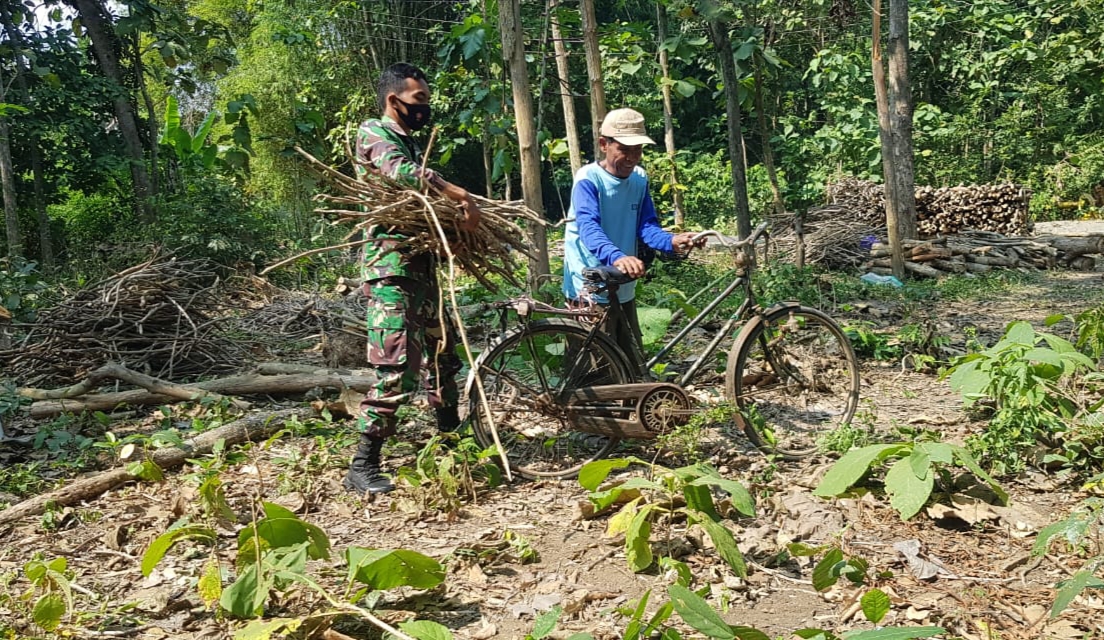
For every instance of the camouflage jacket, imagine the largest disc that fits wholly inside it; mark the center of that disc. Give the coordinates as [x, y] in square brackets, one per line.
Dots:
[383, 148]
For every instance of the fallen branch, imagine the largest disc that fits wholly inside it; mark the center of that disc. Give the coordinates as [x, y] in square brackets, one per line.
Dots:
[243, 385]
[256, 426]
[119, 372]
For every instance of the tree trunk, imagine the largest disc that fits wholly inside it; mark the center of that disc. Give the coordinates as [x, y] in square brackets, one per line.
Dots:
[11, 208]
[46, 245]
[594, 69]
[765, 140]
[105, 47]
[513, 51]
[567, 96]
[900, 96]
[721, 42]
[893, 229]
[151, 117]
[668, 120]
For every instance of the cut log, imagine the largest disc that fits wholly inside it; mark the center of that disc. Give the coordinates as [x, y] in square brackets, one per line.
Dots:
[256, 426]
[250, 384]
[1071, 247]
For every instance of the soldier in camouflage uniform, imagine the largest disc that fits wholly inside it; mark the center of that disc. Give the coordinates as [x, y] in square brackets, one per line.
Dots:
[404, 323]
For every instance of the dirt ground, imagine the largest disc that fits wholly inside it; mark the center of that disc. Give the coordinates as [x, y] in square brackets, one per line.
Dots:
[987, 585]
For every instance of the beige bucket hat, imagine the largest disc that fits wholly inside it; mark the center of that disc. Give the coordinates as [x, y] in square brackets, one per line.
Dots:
[625, 126]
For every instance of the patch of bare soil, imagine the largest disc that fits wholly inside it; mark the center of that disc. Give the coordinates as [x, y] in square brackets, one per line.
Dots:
[968, 570]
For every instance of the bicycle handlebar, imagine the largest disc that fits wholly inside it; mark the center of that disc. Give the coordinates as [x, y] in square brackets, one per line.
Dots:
[728, 242]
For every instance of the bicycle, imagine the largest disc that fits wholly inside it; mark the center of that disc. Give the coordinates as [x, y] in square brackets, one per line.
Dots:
[562, 393]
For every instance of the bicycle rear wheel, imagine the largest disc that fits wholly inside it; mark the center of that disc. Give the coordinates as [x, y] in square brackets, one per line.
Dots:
[794, 377]
[521, 373]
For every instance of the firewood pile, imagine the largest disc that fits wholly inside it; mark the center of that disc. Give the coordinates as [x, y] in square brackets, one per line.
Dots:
[984, 251]
[158, 317]
[492, 248]
[832, 237]
[1001, 208]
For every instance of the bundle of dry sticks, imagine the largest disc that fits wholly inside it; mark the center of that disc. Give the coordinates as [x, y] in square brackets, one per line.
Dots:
[430, 221]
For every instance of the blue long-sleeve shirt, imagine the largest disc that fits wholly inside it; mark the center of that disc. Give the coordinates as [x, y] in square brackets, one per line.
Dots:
[609, 215]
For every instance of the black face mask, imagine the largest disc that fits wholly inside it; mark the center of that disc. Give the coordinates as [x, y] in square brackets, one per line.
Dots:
[416, 116]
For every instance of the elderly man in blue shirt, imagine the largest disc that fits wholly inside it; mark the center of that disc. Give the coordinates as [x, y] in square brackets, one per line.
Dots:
[611, 210]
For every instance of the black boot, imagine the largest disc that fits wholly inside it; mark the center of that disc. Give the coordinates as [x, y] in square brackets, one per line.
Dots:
[448, 419]
[364, 472]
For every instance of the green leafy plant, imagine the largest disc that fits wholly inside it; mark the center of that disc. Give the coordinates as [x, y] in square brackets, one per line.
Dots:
[654, 496]
[871, 344]
[446, 472]
[910, 479]
[835, 564]
[1031, 387]
[50, 590]
[1080, 532]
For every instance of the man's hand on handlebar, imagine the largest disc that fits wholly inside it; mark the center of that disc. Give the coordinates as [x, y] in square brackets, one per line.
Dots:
[683, 242]
[630, 266]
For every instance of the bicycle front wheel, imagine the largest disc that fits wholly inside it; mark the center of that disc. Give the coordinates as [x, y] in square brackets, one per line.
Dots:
[521, 374]
[794, 377]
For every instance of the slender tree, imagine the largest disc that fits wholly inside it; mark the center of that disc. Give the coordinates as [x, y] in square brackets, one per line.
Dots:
[765, 139]
[7, 177]
[513, 50]
[594, 68]
[46, 245]
[105, 47]
[567, 96]
[900, 103]
[893, 229]
[668, 119]
[719, 32]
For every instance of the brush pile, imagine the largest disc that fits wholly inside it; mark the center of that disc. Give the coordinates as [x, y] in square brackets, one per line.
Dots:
[1000, 208]
[158, 318]
[379, 202]
[832, 237]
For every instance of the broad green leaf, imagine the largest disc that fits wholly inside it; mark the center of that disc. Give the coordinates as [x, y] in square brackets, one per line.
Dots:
[875, 605]
[700, 498]
[1069, 589]
[815, 634]
[741, 498]
[801, 549]
[638, 547]
[653, 323]
[203, 131]
[210, 583]
[697, 613]
[265, 629]
[940, 452]
[726, 545]
[1045, 356]
[749, 633]
[580, 636]
[632, 630]
[603, 499]
[907, 493]
[896, 633]
[824, 575]
[594, 473]
[425, 630]
[920, 463]
[1061, 345]
[851, 467]
[383, 569]
[57, 565]
[1054, 319]
[641, 483]
[172, 116]
[621, 520]
[162, 543]
[48, 611]
[968, 381]
[245, 598]
[281, 528]
[1020, 332]
[967, 460]
[546, 623]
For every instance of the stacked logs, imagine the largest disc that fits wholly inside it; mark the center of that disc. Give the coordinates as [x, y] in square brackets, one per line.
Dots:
[1001, 208]
[158, 318]
[974, 252]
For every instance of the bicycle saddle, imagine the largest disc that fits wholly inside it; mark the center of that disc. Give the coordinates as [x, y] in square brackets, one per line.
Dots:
[605, 275]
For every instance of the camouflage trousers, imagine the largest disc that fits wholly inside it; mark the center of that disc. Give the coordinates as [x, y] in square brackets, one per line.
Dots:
[405, 336]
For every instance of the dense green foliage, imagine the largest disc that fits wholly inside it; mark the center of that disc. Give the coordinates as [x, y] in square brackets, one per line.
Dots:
[1004, 91]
